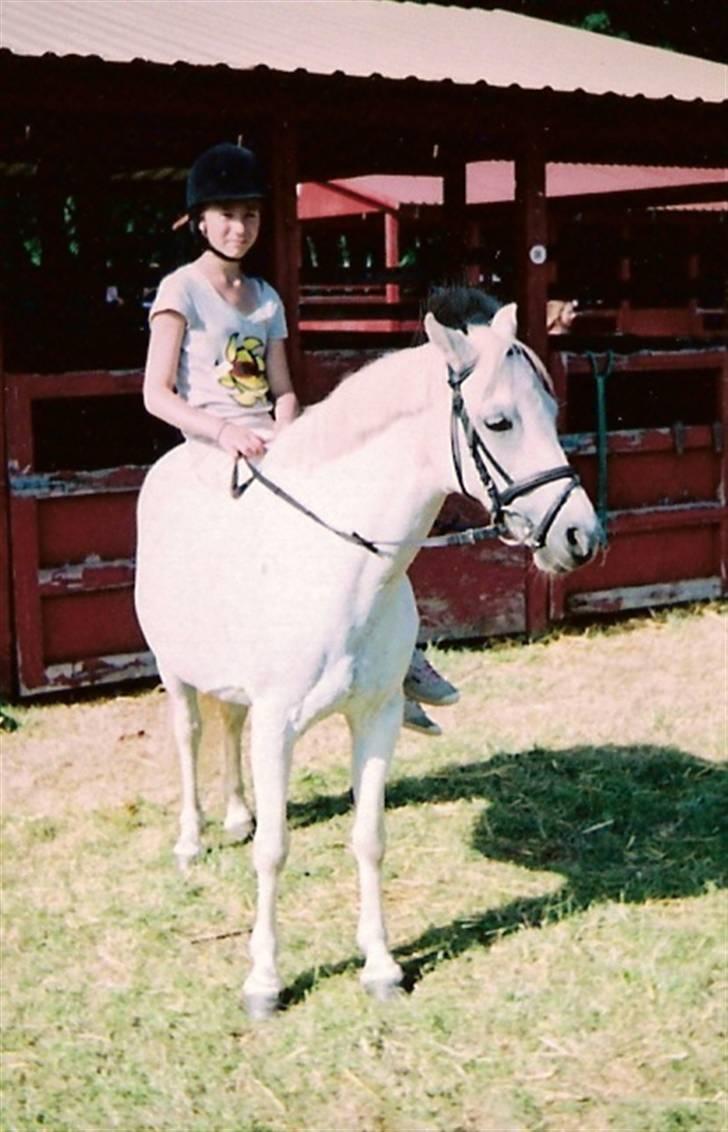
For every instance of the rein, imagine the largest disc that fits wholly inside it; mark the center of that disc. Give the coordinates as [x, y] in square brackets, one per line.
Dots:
[237, 489]
[499, 499]
[469, 537]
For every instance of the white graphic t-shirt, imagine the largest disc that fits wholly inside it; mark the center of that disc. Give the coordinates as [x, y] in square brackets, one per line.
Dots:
[222, 366]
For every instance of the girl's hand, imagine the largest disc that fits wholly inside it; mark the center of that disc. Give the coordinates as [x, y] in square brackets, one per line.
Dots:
[239, 441]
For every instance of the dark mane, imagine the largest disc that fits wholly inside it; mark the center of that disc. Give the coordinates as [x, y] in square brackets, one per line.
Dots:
[461, 307]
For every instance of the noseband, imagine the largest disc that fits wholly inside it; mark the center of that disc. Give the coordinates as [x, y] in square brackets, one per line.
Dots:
[501, 498]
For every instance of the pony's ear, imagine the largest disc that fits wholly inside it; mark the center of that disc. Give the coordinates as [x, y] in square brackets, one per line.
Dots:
[457, 349]
[505, 323]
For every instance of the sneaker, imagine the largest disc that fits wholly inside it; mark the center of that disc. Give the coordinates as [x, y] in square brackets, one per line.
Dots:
[423, 683]
[416, 719]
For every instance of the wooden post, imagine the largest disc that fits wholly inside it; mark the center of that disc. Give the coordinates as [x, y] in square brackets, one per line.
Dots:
[473, 269]
[52, 186]
[90, 188]
[531, 295]
[7, 651]
[532, 245]
[625, 276]
[722, 416]
[693, 273]
[285, 237]
[391, 253]
[454, 216]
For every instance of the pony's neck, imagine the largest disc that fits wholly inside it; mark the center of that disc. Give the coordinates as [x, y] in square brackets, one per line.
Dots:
[374, 456]
[393, 480]
[364, 406]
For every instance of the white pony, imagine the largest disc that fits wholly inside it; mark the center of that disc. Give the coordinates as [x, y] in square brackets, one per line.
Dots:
[255, 603]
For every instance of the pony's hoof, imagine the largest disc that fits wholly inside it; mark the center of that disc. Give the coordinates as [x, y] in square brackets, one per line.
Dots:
[383, 990]
[260, 1007]
[185, 855]
[382, 978]
[239, 830]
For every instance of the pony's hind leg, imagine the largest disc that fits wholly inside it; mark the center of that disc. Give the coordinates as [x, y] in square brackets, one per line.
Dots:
[271, 745]
[187, 729]
[374, 737]
[238, 823]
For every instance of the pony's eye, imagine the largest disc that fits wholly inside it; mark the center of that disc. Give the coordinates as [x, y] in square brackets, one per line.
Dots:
[499, 424]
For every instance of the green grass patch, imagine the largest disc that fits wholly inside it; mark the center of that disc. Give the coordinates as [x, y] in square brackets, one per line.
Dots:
[555, 885]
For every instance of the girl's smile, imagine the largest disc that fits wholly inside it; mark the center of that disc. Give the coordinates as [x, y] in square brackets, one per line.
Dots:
[231, 227]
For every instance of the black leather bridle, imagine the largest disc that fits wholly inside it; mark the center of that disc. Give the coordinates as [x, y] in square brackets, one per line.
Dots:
[485, 463]
[499, 498]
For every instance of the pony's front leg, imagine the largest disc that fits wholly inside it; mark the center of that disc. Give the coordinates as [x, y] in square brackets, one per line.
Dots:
[186, 728]
[374, 737]
[238, 824]
[271, 744]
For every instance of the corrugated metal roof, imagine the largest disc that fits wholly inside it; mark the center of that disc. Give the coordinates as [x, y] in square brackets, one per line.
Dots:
[709, 206]
[359, 38]
[491, 181]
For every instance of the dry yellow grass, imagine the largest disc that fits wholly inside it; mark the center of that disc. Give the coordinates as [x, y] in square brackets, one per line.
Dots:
[555, 884]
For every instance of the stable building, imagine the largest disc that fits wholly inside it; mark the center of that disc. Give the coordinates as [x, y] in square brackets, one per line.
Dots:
[105, 106]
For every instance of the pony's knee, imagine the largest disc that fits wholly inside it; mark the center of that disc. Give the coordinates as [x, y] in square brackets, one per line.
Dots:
[270, 851]
[367, 844]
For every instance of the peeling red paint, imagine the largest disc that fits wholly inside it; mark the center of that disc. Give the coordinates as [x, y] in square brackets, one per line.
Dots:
[51, 484]
[95, 670]
[87, 576]
[72, 534]
[619, 600]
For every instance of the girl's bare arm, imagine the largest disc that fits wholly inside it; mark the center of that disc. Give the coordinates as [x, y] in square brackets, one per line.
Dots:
[279, 379]
[161, 400]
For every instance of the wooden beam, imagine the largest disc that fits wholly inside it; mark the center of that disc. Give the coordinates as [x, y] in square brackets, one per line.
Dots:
[622, 598]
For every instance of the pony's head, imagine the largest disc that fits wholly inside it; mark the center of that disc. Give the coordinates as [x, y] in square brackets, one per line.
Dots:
[505, 449]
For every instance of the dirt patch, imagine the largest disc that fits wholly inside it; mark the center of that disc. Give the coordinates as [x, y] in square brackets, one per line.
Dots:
[652, 681]
[110, 752]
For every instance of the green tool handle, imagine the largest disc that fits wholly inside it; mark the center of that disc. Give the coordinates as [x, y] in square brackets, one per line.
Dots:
[600, 381]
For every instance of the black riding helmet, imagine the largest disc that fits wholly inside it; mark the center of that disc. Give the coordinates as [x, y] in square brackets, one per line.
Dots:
[224, 172]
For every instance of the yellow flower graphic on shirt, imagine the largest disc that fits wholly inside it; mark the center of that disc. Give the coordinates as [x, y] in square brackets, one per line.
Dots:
[243, 371]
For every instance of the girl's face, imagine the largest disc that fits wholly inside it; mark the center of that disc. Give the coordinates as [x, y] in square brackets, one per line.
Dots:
[231, 227]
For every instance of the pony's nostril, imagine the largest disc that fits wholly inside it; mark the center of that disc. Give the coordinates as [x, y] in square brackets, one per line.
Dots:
[581, 549]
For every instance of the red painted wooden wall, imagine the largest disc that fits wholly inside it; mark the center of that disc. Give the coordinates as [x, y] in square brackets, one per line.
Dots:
[67, 520]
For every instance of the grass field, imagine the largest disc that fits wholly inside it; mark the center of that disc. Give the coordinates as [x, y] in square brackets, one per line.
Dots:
[555, 885]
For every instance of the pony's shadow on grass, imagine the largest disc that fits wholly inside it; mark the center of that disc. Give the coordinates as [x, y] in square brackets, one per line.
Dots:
[617, 823]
